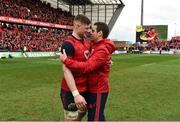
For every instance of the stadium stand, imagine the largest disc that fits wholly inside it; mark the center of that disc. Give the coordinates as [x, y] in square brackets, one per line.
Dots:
[35, 10]
[163, 45]
[17, 37]
[157, 46]
[40, 25]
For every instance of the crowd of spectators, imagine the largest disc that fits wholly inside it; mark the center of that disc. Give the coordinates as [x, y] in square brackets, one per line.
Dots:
[35, 10]
[17, 37]
[163, 45]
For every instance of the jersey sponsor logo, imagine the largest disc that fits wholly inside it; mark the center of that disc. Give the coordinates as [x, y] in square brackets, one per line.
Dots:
[87, 54]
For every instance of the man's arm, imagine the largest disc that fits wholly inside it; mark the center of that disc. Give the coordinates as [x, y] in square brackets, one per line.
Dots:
[99, 58]
[79, 100]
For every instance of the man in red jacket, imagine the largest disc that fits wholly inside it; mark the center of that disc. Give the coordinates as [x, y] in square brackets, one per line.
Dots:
[98, 68]
[73, 92]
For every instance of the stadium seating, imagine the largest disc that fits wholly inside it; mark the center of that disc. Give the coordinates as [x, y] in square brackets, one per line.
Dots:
[15, 37]
[163, 45]
[19, 37]
[35, 10]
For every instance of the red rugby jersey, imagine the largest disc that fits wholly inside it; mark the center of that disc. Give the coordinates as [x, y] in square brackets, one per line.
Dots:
[98, 66]
[81, 53]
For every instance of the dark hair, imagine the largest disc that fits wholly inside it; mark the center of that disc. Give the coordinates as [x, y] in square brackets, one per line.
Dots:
[101, 26]
[83, 19]
[151, 29]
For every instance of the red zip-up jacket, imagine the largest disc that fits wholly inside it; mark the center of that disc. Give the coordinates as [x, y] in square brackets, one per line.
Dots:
[98, 66]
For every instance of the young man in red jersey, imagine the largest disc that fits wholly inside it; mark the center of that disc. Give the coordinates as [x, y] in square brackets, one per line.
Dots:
[98, 68]
[73, 93]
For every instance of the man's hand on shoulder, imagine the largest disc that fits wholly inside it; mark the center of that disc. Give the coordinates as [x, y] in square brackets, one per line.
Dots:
[63, 56]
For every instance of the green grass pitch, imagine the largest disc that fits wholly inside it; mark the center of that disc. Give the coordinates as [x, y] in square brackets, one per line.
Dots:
[143, 87]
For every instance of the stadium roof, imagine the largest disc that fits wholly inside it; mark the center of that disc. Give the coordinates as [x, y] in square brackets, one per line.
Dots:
[83, 2]
[63, 3]
[86, 2]
[97, 10]
[106, 1]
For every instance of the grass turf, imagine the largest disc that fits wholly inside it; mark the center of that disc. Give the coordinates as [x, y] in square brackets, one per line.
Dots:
[143, 87]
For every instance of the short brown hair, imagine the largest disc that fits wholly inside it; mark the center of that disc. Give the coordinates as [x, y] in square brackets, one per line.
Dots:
[101, 26]
[83, 19]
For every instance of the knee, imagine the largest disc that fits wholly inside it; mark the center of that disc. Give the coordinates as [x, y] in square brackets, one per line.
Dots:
[70, 115]
[74, 115]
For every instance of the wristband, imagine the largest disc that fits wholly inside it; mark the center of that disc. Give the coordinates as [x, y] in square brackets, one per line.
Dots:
[75, 93]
